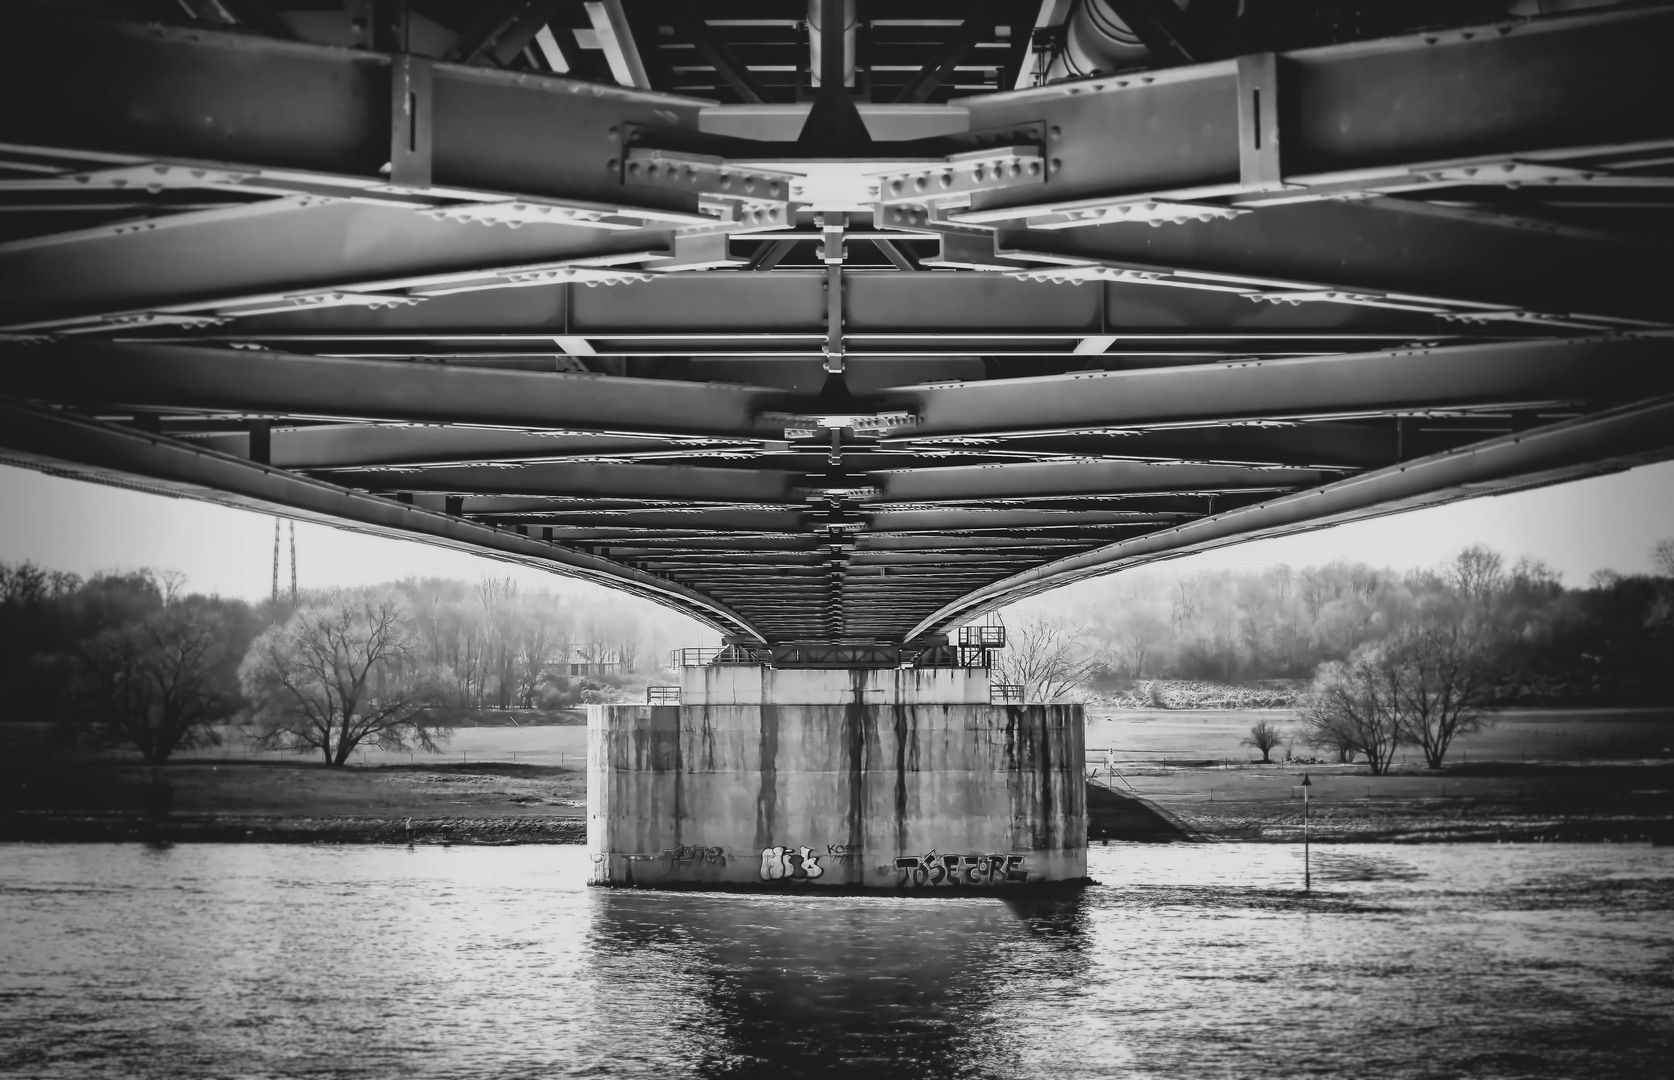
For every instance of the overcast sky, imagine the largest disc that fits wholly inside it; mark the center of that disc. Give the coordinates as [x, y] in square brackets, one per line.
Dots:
[1607, 522]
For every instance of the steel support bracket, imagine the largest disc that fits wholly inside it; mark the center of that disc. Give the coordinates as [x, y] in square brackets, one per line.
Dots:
[952, 181]
[515, 214]
[813, 425]
[839, 494]
[1153, 212]
[1259, 164]
[749, 196]
[410, 126]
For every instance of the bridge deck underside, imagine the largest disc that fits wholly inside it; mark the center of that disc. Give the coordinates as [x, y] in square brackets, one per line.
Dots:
[442, 297]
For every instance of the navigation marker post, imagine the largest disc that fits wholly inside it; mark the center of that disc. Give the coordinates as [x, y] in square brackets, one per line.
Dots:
[1307, 875]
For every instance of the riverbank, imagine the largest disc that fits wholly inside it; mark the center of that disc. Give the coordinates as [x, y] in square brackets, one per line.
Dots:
[1615, 802]
[293, 802]
[496, 803]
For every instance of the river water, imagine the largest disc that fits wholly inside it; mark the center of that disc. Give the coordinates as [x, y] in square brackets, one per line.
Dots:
[1187, 961]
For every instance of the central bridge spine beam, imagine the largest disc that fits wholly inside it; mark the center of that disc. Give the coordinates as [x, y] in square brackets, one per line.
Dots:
[188, 379]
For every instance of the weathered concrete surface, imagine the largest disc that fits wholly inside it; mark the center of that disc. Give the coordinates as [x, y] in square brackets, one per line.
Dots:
[875, 788]
[737, 684]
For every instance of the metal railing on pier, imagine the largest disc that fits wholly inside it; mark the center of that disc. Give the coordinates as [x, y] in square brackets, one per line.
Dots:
[1005, 694]
[982, 637]
[726, 654]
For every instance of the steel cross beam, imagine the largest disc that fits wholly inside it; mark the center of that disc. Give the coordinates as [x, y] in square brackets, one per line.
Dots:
[187, 379]
[1316, 123]
[346, 447]
[490, 144]
[732, 315]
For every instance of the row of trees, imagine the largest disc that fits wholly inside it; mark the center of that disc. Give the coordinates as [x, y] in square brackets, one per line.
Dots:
[1608, 641]
[130, 659]
[394, 666]
[122, 658]
[493, 645]
[1424, 686]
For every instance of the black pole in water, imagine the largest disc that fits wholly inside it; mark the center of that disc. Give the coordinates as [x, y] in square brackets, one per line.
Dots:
[1307, 871]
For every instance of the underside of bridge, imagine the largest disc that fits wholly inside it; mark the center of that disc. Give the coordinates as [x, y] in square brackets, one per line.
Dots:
[835, 340]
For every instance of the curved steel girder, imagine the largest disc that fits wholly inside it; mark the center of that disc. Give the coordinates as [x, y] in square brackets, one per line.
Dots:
[1385, 382]
[237, 381]
[1610, 441]
[1058, 479]
[89, 450]
[1390, 251]
[203, 264]
[366, 446]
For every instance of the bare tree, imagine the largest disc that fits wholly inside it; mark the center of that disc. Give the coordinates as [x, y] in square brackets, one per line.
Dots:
[157, 685]
[1478, 573]
[1264, 736]
[1440, 675]
[1132, 647]
[1330, 733]
[498, 597]
[1533, 580]
[1046, 656]
[597, 643]
[337, 674]
[1662, 556]
[27, 583]
[1352, 703]
[537, 641]
[627, 643]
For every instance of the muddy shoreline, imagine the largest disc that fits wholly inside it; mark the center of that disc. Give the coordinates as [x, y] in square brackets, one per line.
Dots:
[1486, 822]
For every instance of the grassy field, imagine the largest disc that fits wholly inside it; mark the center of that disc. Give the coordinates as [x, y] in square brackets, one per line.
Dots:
[1546, 774]
[552, 745]
[1532, 735]
[196, 799]
[1601, 774]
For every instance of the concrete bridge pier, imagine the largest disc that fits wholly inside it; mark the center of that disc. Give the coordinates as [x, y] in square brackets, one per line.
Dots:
[858, 778]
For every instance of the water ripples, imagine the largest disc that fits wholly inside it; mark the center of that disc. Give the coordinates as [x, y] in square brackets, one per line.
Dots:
[1186, 961]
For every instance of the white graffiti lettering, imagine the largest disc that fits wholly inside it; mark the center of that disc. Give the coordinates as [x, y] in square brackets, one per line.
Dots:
[790, 864]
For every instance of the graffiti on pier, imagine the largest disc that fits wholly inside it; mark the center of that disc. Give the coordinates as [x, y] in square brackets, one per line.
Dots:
[693, 853]
[843, 852]
[790, 864]
[914, 871]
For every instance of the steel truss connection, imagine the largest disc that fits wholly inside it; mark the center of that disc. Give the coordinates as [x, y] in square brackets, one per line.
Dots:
[834, 368]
